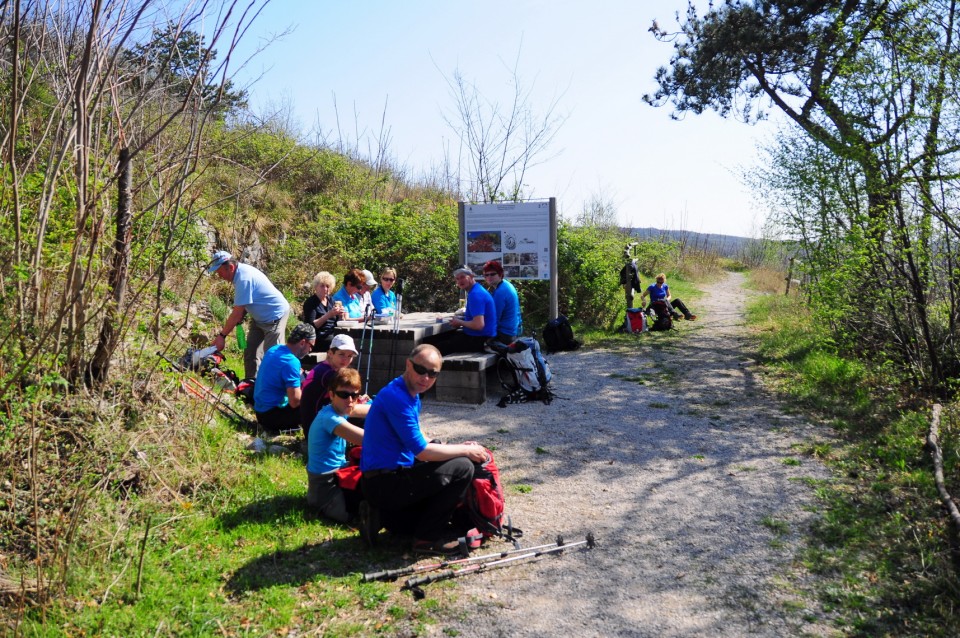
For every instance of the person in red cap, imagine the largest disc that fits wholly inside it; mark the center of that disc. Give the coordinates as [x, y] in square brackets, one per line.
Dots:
[505, 301]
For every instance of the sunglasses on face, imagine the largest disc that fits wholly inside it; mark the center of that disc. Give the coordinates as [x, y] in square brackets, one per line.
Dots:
[423, 371]
[344, 394]
[387, 279]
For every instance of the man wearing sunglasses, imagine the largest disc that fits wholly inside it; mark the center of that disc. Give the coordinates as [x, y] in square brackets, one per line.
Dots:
[418, 484]
[479, 321]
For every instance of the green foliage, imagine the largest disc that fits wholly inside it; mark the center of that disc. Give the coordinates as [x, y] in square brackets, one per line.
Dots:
[881, 542]
[417, 238]
[177, 60]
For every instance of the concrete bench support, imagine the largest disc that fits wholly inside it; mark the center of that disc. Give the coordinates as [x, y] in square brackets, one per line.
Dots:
[464, 377]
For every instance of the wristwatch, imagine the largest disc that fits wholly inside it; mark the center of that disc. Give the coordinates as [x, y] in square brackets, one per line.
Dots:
[223, 335]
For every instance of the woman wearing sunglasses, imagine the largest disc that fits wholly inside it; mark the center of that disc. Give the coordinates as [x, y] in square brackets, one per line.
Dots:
[383, 298]
[341, 354]
[327, 448]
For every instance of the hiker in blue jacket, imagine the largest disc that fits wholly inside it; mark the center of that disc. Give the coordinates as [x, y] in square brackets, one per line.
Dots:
[406, 476]
[478, 323]
[660, 291]
[505, 300]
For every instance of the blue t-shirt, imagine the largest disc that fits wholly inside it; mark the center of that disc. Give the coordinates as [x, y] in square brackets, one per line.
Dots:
[658, 293]
[351, 303]
[279, 370]
[326, 452]
[382, 300]
[257, 295]
[507, 302]
[480, 302]
[391, 431]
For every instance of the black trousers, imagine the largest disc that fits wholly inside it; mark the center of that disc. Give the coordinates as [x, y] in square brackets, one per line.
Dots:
[456, 341]
[427, 492]
[276, 419]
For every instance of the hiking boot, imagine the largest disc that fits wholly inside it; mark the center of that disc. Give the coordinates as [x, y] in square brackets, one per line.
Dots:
[692, 318]
[369, 523]
[441, 547]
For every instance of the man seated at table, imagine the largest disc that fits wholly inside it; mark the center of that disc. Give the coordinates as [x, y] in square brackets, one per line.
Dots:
[276, 394]
[479, 321]
[414, 483]
[349, 294]
[505, 300]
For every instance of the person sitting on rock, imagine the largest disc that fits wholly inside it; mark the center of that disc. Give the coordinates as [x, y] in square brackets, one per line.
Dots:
[350, 294]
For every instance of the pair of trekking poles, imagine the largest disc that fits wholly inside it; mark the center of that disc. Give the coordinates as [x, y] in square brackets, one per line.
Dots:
[197, 389]
[472, 565]
[369, 319]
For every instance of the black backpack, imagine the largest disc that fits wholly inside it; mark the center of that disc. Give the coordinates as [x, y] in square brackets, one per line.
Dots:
[558, 335]
[663, 320]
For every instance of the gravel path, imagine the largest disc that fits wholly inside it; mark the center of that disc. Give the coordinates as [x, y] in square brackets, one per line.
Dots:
[673, 455]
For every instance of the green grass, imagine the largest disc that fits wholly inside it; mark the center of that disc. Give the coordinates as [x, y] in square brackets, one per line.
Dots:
[521, 488]
[879, 544]
[245, 558]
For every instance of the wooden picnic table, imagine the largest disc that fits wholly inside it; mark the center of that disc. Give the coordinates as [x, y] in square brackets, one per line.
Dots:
[384, 347]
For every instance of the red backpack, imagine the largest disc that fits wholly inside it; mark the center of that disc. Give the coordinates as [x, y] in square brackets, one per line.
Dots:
[484, 502]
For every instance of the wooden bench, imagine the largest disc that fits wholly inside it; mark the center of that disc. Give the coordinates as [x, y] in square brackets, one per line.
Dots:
[463, 378]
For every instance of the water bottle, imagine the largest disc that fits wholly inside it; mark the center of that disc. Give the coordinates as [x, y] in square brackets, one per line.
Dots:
[241, 337]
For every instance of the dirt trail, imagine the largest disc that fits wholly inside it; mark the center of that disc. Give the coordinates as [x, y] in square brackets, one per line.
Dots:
[673, 455]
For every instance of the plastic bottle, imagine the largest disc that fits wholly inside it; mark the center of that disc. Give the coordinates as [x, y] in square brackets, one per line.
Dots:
[241, 337]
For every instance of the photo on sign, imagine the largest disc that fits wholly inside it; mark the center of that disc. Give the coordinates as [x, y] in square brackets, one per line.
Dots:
[511, 259]
[511, 272]
[483, 241]
[528, 271]
[529, 259]
[476, 266]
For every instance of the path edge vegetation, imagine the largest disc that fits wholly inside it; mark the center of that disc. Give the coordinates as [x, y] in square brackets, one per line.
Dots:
[880, 547]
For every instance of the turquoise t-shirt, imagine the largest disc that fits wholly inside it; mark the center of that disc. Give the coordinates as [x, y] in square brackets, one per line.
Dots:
[326, 452]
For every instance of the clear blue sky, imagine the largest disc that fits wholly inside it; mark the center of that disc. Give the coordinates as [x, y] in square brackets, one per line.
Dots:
[389, 58]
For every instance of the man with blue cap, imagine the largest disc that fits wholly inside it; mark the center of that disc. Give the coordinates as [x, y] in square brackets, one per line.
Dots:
[256, 295]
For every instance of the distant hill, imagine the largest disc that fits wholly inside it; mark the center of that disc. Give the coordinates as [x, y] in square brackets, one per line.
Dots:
[725, 245]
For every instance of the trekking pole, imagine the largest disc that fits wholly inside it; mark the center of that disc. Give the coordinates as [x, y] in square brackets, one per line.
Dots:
[413, 584]
[363, 338]
[395, 332]
[393, 574]
[373, 329]
[199, 390]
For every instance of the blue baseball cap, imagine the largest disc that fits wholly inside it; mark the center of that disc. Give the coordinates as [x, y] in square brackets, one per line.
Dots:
[219, 258]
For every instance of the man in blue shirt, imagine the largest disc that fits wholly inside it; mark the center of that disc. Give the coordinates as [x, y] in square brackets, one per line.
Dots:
[506, 301]
[276, 394]
[256, 295]
[403, 474]
[479, 321]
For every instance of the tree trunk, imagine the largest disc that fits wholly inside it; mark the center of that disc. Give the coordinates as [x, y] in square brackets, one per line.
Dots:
[109, 334]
